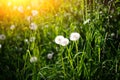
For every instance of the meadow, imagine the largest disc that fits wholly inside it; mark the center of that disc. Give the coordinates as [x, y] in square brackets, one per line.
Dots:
[60, 40]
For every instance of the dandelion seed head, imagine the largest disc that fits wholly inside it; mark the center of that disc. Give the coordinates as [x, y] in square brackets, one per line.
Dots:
[65, 42]
[0, 46]
[59, 39]
[100, 12]
[33, 59]
[12, 27]
[34, 12]
[26, 41]
[33, 26]
[29, 18]
[112, 34]
[28, 50]
[32, 39]
[74, 36]
[50, 55]
[87, 21]
[2, 37]
[20, 9]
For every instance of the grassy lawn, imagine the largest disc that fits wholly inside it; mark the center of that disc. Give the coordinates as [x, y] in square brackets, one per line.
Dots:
[59, 40]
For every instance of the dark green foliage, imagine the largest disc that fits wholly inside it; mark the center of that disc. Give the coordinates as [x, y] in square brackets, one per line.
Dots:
[95, 56]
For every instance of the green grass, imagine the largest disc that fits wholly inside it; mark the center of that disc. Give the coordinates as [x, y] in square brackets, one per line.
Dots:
[95, 56]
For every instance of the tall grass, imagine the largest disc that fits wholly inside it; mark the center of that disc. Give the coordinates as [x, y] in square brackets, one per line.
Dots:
[95, 56]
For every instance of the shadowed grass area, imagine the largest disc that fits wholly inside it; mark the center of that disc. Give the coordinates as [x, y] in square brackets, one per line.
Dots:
[64, 40]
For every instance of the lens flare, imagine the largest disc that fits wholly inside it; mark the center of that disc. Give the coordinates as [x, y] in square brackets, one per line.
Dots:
[25, 7]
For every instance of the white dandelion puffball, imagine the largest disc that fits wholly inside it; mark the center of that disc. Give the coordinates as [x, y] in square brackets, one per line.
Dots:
[26, 41]
[112, 34]
[74, 36]
[2, 37]
[34, 12]
[0, 45]
[87, 21]
[33, 59]
[32, 39]
[20, 9]
[33, 26]
[12, 27]
[64, 42]
[29, 18]
[59, 39]
[50, 55]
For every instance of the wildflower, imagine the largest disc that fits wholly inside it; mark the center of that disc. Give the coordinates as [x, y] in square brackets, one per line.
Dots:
[29, 18]
[34, 12]
[2, 37]
[50, 55]
[33, 26]
[87, 21]
[33, 59]
[64, 42]
[26, 41]
[12, 27]
[20, 9]
[59, 39]
[100, 12]
[32, 39]
[0, 46]
[74, 36]
[112, 34]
